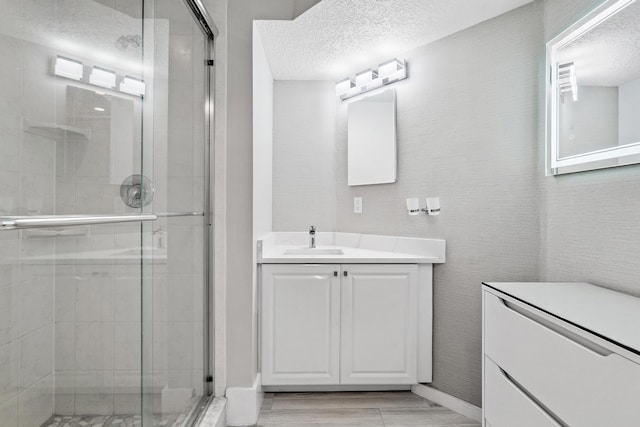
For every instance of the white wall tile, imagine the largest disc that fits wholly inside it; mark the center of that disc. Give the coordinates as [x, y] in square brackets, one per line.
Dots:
[94, 294]
[36, 356]
[126, 393]
[10, 136]
[94, 393]
[8, 314]
[180, 149]
[126, 296]
[172, 345]
[65, 289]
[179, 249]
[173, 298]
[65, 353]
[127, 343]
[94, 346]
[65, 393]
[9, 413]
[8, 372]
[36, 297]
[35, 405]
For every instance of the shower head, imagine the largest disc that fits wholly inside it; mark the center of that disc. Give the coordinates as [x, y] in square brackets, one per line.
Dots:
[125, 42]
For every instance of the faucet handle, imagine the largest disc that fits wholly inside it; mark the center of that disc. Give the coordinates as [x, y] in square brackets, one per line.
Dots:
[312, 229]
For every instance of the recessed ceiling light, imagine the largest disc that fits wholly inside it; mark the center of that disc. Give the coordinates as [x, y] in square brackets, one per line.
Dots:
[98, 109]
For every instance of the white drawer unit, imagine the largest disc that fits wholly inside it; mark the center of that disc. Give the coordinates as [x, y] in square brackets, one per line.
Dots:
[560, 354]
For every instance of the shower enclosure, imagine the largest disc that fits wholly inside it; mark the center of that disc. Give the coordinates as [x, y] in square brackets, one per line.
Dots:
[105, 121]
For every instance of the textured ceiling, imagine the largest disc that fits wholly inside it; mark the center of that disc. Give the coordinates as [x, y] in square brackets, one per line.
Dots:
[83, 30]
[608, 55]
[336, 38]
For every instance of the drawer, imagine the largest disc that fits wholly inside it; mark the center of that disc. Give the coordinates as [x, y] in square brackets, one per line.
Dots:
[581, 383]
[507, 405]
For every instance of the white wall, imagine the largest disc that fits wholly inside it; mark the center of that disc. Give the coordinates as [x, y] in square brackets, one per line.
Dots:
[262, 140]
[589, 227]
[234, 180]
[629, 118]
[471, 130]
[467, 132]
[304, 156]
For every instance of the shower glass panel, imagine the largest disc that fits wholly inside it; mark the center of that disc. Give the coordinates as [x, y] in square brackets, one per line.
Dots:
[103, 213]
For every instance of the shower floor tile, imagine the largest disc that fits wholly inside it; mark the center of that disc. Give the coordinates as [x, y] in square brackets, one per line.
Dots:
[107, 421]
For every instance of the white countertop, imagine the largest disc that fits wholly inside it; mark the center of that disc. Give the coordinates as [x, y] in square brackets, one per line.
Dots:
[357, 249]
[610, 314]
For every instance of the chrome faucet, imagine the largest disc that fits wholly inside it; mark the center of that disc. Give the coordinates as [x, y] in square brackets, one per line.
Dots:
[312, 237]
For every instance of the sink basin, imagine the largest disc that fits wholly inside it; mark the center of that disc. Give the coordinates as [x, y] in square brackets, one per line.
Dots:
[313, 251]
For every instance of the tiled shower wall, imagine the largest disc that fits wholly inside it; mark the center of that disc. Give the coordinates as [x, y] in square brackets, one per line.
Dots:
[71, 304]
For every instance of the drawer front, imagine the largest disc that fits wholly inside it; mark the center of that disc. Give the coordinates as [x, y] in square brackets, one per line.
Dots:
[507, 405]
[581, 383]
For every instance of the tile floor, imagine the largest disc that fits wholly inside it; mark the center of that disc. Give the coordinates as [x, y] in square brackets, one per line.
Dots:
[398, 408]
[107, 421]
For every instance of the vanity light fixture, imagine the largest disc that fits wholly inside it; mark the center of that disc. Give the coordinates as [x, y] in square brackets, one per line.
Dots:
[65, 67]
[432, 208]
[365, 77]
[567, 81]
[102, 77]
[370, 79]
[132, 86]
[343, 86]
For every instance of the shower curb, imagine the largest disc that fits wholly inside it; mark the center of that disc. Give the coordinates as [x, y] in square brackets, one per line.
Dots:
[215, 414]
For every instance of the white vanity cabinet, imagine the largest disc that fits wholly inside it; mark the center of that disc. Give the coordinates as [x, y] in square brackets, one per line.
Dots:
[332, 324]
[560, 354]
[300, 324]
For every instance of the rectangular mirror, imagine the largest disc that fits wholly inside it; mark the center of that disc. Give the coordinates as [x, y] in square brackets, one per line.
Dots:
[593, 91]
[371, 139]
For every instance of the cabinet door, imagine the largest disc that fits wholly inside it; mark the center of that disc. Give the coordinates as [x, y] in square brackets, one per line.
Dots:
[300, 324]
[379, 324]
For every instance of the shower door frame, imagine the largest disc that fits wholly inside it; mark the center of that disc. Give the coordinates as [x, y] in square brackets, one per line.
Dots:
[208, 27]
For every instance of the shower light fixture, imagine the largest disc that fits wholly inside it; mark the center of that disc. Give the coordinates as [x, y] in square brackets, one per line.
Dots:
[370, 79]
[65, 67]
[102, 77]
[98, 76]
[132, 86]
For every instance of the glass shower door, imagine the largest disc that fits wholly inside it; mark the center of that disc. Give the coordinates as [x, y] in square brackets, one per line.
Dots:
[174, 309]
[102, 244]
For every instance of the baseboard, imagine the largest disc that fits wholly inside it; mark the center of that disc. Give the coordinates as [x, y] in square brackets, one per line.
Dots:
[329, 388]
[448, 401]
[243, 404]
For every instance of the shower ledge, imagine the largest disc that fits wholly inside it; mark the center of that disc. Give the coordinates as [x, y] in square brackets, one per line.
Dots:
[57, 132]
[107, 256]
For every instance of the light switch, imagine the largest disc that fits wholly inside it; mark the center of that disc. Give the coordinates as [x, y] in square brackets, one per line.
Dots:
[357, 205]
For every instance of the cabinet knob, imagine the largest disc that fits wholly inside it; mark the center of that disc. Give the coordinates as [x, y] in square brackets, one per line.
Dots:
[346, 273]
[335, 274]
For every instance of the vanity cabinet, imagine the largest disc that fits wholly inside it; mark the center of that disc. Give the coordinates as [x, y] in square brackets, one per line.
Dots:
[331, 324]
[300, 324]
[558, 354]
